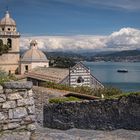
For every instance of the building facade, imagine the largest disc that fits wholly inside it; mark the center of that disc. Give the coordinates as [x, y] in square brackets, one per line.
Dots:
[80, 75]
[9, 35]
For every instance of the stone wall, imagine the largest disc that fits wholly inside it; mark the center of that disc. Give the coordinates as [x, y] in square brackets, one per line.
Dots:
[17, 109]
[106, 114]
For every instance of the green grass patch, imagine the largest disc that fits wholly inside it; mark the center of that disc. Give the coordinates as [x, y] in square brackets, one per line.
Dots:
[62, 100]
[107, 91]
[122, 95]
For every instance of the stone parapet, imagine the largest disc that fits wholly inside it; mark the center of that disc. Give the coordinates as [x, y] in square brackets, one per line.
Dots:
[101, 114]
[18, 85]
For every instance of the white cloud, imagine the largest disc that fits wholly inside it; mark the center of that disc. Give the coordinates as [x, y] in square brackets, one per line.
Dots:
[125, 39]
[121, 4]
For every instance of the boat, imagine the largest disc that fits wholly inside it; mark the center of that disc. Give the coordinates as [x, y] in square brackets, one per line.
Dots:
[122, 70]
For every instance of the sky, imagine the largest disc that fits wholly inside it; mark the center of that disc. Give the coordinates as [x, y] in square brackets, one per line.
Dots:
[77, 24]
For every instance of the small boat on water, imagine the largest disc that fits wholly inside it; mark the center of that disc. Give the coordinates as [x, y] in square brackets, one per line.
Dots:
[122, 70]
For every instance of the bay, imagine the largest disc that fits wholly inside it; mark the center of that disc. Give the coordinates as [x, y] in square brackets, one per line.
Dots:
[106, 72]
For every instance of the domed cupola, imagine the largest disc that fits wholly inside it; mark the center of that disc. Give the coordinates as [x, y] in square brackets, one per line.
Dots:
[33, 58]
[7, 20]
[34, 54]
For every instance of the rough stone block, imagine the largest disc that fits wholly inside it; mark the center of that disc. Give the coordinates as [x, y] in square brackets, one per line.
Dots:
[9, 104]
[19, 112]
[23, 102]
[8, 90]
[2, 98]
[31, 110]
[14, 96]
[30, 93]
[31, 127]
[1, 88]
[2, 116]
[17, 85]
[10, 113]
[13, 125]
[23, 93]
[30, 119]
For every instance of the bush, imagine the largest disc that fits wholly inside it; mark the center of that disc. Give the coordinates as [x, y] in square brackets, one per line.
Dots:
[3, 77]
[62, 100]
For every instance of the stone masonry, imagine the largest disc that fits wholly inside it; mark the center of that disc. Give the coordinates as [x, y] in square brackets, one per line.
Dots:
[17, 108]
[101, 114]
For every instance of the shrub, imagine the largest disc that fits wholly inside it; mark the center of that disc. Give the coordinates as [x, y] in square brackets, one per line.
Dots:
[3, 77]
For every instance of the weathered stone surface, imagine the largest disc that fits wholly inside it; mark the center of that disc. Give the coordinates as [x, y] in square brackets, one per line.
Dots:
[23, 102]
[19, 112]
[102, 114]
[31, 110]
[30, 93]
[8, 90]
[10, 113]
[2, 116]
[2, 98]
[14, 96]
[31, 127]
[30, 119]
[1, 89]
[18, 85]
[13, 116]
[6, 121]
[24, 93]
[16, 136]
[9, 104]
[12, 125]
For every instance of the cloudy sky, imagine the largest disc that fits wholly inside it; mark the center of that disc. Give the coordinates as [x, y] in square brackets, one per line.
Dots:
[77, 25]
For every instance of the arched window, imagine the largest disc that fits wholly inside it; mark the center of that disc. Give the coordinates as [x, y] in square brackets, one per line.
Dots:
[9, 43]
[80, 80]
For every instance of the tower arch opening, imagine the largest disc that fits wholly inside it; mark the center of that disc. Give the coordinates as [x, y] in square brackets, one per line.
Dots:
[9, 43]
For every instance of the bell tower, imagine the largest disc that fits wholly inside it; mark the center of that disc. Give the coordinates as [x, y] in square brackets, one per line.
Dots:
[9, 36]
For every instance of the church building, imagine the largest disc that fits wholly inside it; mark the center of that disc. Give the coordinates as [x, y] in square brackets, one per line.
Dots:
[9, 35]
[34, 63]
[33, 58]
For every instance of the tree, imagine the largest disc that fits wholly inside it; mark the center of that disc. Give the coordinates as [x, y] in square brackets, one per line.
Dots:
[3, 48]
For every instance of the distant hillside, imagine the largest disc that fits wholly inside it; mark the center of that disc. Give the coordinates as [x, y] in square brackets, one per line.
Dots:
[130, 55]
[119, 56]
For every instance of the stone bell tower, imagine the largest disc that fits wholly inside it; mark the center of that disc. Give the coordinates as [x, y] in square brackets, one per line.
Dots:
[9, 35]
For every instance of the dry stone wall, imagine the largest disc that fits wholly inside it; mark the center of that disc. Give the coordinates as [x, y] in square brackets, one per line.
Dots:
[17, 108]
[108, 114]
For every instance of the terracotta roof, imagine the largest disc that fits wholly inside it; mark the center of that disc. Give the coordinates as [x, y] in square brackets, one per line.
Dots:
[48, 74]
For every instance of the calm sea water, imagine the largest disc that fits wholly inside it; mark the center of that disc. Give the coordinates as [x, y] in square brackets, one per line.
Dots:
[107, 73]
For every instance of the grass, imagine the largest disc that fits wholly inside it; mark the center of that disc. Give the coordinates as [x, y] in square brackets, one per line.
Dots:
[122, 95]
[5, 77]
[62, 100]
[107, 91]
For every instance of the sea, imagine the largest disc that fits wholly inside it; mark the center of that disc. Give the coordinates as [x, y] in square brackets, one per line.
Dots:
[106, 73]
